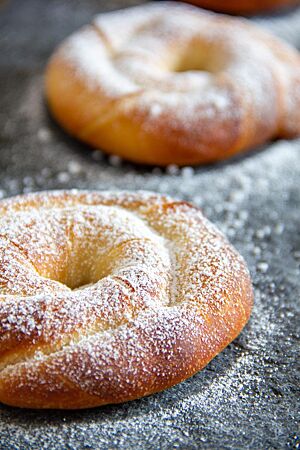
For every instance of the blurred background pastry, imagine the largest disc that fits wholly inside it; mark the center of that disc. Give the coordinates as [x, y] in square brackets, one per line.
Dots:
[244, 6]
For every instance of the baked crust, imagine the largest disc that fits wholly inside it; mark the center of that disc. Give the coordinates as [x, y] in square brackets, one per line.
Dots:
[108, 297]
[167, 83]
[244, 6]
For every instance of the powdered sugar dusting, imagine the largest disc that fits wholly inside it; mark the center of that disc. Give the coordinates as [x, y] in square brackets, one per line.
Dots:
[90, 58]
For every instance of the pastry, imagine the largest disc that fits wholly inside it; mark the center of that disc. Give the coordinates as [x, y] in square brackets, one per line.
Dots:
[107, 297]
[168, 83]
[244, 6]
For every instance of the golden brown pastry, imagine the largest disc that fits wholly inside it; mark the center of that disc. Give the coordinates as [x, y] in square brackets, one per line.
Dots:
[167, 83]
[244, 6]
[107, 297]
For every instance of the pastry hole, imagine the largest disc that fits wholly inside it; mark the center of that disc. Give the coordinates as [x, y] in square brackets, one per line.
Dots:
[200, 57]
[191, 66]
[191, 61]
[86, 273]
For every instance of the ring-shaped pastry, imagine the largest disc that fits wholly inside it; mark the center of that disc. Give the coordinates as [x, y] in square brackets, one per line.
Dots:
[167, 83]
[107, 297]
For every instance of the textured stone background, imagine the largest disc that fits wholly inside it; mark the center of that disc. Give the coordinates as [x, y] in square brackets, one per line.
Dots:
[247, 397]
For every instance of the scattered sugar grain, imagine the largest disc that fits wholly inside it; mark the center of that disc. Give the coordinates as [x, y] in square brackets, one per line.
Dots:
[263, 266]
[74, 167]
[28, 181]
[46, 172]
[187, 172]
[63, 177]
[157, 171]
[115, 160]
[263, 232]
[279, 228]
[297, 254]
[44, 135]
[97, 155]
[172, 169]
[256, 251]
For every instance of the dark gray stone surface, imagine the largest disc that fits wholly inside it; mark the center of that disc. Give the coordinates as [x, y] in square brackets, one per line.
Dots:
[247, 397]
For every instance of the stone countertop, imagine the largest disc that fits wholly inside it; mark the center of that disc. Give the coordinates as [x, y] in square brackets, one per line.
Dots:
[248, 396]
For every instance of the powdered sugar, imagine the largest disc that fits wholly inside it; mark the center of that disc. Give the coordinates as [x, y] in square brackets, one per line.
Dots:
[89, 56]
